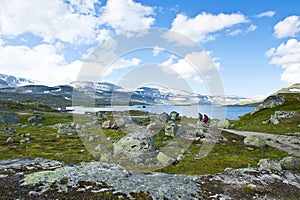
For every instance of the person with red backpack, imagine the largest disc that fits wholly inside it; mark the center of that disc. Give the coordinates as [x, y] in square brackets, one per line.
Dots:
[205, 120]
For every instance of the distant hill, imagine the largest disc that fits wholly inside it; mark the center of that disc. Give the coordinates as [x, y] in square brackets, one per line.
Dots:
[12, 81]
[295, 88]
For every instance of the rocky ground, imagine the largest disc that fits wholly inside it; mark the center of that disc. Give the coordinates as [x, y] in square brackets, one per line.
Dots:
[48, 179]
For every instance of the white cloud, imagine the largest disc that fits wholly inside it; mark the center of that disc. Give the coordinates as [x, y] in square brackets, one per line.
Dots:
[125, 15]
[193, 64]
[235, 32]
[251, 28]
[42, 63]
[120, 64]
[203, 25]
[266, 14]
[289, 27]
[48, 19]
[287, 56]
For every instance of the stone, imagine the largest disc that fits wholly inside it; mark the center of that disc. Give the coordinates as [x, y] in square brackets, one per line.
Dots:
[91, 138]
[224, 123]
[174, 115]
[8, 118]
[134, 145]
[255, 140]
[289, 163]
[10, 140]
[164, 117]
[165, 159]
[172, 129]
[8, 130]
[107, 124]
[34, 119]
[120, 122]
[269, 164]
[154, 127]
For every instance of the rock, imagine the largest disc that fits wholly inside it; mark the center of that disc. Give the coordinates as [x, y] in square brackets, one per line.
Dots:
[91, 138]
[8, 118]
[165, 159]
[34, 119]
[278, 116]
[255, 140]
[224, 123]
[289, 163]
[269, 164]
[120, 122]
[134, 145]
[164, 117]
[270, 102]
[108, 124]
[174, 115]
[172, 129]
[8, 130]
[154, 127]
[10, 140]
[68, 131]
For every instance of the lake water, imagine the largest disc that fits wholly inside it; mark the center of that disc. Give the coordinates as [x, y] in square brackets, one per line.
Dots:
[214, 112]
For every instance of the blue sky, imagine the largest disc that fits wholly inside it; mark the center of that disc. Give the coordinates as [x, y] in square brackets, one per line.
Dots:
[254, 44]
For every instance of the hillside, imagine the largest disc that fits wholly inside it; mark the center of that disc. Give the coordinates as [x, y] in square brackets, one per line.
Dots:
[279, 113]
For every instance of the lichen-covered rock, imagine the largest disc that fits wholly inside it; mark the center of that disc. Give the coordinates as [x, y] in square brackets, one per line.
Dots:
[289, 163]
[269, 164]
[278, 116]
[164, 117]
[154, 127]
[8, 118]
[224, 123]
[173, 129]
[134, 145]
[165, 159]
[255, 140]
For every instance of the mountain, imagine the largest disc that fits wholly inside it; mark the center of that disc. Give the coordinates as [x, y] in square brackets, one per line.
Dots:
[12, 81]
[104, 93]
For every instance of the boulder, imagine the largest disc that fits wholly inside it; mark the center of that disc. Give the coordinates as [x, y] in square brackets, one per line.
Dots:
[134, 145]
[174, 115]
[120, 122]
[164, 117]
[8, 118]
[289, 163]
[269, 164]
[108, 124]
[172, 129]
[8, 130]
[165, 159]
[255, 140]
[154, 127]
[10, 140]
[34, 119]
[224, 123]
[278, 116]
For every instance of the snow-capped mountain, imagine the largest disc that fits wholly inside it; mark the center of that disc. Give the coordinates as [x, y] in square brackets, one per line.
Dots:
[12, 81]
[108, 93]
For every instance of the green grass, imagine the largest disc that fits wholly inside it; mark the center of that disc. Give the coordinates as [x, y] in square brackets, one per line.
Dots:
[253, 122]
[223, 155]
[46, 143]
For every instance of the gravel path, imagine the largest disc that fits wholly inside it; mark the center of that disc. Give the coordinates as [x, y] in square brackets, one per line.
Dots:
[289, 144]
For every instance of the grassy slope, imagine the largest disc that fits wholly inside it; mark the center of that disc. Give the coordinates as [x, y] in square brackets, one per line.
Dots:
[253, 122]
[44, 142]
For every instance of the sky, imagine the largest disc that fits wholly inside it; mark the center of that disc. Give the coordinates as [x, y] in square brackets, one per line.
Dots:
[253, 44]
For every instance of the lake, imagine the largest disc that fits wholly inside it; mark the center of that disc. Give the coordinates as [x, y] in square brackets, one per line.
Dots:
[214, 112]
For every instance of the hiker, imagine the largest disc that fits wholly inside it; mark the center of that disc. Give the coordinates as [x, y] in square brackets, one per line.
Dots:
[200, 118]
[205, 120]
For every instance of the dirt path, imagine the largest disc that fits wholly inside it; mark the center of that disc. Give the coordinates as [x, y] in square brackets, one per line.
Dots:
[289, 144]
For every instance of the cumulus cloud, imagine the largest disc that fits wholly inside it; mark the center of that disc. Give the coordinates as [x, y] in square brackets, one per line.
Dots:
[289, 27]
[266, 14]
[125, 15]
[202, 27]
[48, 19]
[43, 63]
[193, 64]
[157, 49]
[287, 56]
